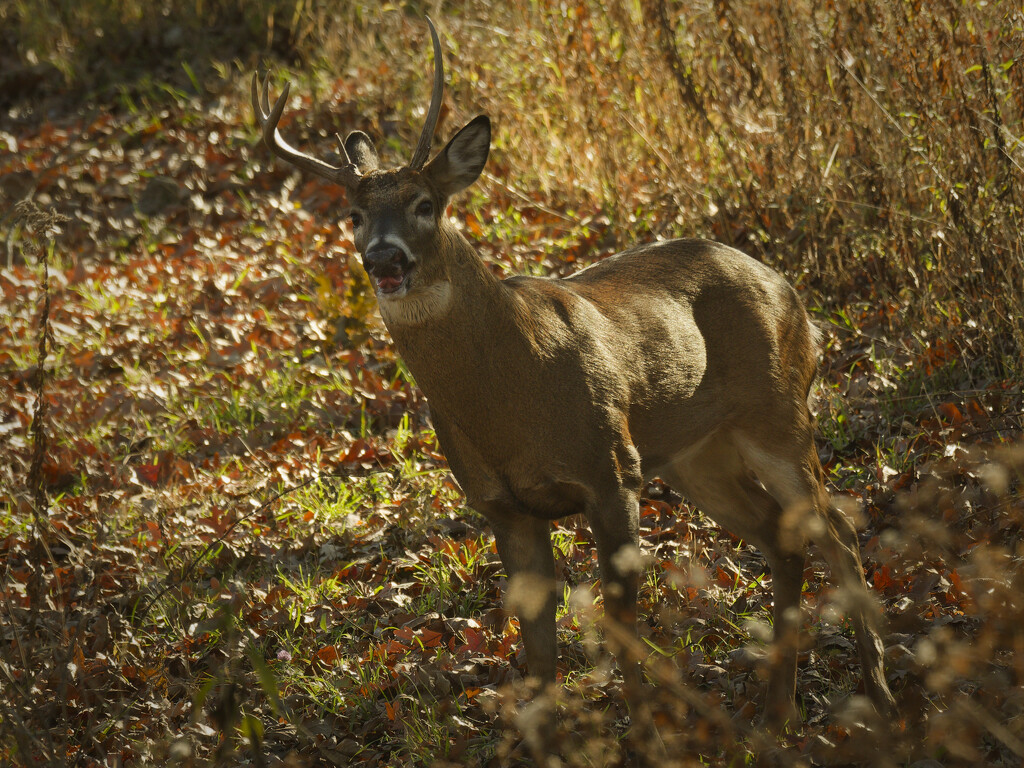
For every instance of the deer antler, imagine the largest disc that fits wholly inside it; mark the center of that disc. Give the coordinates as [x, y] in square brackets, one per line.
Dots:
[346, 175]
[419, 157]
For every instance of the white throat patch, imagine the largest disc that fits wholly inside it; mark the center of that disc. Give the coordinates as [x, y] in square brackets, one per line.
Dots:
[417, 306]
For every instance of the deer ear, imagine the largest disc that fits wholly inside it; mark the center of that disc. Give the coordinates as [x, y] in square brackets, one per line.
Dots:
[459, 164]
[361, 152]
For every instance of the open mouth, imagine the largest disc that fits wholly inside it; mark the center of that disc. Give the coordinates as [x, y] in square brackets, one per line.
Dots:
[392, 278]
[390, 284]
[392, 281]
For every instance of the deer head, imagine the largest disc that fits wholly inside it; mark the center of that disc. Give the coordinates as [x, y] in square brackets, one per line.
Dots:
[397, 215]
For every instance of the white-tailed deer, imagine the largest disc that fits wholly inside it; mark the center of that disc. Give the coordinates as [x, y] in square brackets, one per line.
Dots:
[684, 359]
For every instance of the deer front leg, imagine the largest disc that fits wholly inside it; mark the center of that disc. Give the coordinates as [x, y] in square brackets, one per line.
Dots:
[524, 545]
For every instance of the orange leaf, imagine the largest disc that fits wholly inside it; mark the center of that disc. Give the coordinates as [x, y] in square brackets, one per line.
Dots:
[882, 578]
[328, 655]
[976, 409]
[395, 648]
[429, 638]
[951, 413]
[475, 639]
[404, 634]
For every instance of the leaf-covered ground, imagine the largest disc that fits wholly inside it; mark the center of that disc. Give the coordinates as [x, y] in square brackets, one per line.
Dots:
[252, 550]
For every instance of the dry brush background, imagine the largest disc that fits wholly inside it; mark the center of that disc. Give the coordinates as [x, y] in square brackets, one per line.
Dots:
[226, 532]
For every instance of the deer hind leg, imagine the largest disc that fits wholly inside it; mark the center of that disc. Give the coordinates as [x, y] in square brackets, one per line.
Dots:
[615, 524]
[842, 550]
[798, 486]
[716, 479]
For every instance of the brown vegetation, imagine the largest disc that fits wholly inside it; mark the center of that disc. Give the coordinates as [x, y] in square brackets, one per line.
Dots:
[166, 597]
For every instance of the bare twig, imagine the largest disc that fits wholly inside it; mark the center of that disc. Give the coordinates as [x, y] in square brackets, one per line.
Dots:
[44, 223]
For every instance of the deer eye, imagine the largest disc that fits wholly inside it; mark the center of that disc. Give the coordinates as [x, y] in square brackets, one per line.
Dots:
[356, 219]
[425, 208]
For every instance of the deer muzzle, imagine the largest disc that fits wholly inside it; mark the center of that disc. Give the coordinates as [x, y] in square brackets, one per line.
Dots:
[388, 265]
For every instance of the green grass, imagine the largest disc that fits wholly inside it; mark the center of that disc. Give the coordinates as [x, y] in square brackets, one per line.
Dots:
[227, 350]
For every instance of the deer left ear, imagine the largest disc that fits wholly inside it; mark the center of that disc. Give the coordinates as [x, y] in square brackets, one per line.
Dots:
[361, 152]
[459, 164]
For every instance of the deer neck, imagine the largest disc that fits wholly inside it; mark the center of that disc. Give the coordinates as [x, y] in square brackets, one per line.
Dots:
[471, 315]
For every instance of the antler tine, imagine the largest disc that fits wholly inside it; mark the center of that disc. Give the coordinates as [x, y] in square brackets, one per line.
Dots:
[346, 175]
[265, 94]
[422, 152]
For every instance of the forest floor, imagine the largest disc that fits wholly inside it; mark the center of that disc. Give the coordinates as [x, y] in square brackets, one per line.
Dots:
[228, 533]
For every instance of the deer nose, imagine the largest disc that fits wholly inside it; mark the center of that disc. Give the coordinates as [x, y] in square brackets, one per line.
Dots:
[384, 259]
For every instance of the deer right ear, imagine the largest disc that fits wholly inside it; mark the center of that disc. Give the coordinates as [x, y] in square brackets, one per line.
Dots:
[459, 164]
[361, 152]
